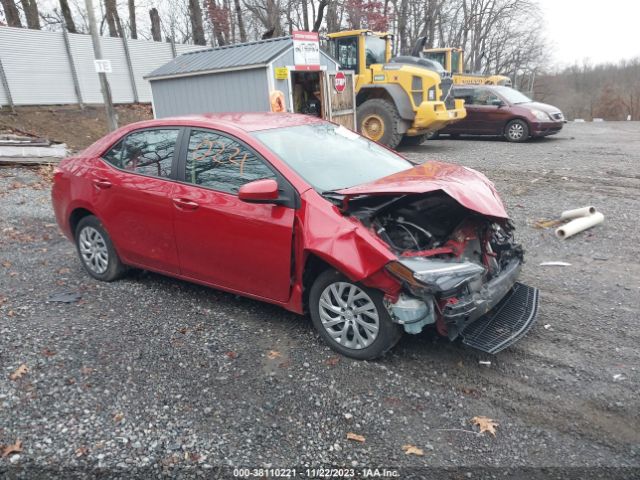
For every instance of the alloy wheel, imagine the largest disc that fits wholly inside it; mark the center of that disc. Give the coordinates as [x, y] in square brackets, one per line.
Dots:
[516, 131]
[93, 249]
[349, 315]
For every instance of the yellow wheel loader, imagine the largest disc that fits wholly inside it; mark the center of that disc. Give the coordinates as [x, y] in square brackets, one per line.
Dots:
[402, 98]
[452, 59]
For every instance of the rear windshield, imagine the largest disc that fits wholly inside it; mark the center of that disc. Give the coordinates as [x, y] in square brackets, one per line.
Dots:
[330, 157]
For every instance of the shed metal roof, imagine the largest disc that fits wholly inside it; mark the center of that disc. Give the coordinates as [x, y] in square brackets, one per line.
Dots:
[229, 57]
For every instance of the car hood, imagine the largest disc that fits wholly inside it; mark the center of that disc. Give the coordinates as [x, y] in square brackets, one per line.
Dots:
[467, 186]
[539, 106]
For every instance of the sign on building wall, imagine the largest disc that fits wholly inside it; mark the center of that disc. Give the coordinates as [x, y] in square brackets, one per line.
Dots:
[306, 50]
[281, 73]
[102, 66]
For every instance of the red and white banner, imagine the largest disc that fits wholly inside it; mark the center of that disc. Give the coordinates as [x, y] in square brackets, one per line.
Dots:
[306, 50]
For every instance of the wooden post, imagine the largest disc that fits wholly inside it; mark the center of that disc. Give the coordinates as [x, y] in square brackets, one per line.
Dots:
[112, 122]
[72, 66]
[5, 84]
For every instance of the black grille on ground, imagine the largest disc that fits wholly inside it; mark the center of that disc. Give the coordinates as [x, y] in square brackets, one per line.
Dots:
[447, 95]
[506, 323]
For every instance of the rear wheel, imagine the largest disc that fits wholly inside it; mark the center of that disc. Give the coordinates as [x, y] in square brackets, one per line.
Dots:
[96, 250]
[351, 318]
[516, 131]
[378, 120]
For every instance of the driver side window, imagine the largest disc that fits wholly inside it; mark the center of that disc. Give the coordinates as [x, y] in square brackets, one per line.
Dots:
[484, 97]
[221, 163]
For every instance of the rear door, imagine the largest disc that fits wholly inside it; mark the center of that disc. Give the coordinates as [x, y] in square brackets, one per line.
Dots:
[221, 240]
[339, 90]
[133, 197]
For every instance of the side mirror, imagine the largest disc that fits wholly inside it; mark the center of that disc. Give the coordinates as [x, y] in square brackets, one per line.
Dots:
[497, 103]
[259, 191]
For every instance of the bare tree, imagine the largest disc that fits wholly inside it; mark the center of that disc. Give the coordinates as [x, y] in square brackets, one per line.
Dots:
[132, 19]
[112, 18]
[11, 13]
[30, 8]
[195, 15]
[156, 33]
[241, 29]
[67, 16]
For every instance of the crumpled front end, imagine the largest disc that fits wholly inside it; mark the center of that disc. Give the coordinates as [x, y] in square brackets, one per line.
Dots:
[459, 269]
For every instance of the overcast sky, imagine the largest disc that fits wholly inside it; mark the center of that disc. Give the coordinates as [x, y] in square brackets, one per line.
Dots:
[599, 30]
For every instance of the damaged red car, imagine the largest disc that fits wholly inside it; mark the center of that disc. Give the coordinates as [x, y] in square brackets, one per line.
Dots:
[305, 214]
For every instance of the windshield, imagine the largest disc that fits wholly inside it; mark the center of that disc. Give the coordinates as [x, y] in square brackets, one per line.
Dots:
[331, 157]
[513, 96]
[440, 57]
[376, 48]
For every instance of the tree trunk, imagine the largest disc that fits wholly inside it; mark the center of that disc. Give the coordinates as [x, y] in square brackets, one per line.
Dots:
[318, 23]
[305, 14]
[333, 22]
[68, 18]
[132, 19]
[195, 15]
[11, 13]
[243, 33]
[156, 33]
[30, 8]
[113, 20]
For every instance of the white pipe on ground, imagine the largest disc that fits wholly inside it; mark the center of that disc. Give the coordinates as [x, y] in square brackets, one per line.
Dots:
[578, 225]
[577, 212]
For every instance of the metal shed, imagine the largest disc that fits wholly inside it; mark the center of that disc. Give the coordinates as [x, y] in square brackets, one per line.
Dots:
[243, 77]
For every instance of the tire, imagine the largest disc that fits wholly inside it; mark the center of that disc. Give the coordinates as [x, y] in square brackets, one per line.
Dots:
[415, 141]
[325, 308]
[378, 120]
[96, 251]
[433, 135]
[516, 131]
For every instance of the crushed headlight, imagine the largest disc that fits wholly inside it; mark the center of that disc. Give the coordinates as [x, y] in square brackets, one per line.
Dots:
[437, 275]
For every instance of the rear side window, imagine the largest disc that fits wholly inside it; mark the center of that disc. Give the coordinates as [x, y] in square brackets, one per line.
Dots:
[148, 152]
[114, 155]
[222, 163]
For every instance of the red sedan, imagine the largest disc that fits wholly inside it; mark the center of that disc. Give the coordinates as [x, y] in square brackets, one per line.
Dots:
[305, 214]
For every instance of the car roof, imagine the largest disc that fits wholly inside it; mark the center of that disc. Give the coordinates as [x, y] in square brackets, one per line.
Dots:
[247, 121]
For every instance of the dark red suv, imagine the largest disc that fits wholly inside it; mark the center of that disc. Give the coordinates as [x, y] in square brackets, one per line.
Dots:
[503, 111]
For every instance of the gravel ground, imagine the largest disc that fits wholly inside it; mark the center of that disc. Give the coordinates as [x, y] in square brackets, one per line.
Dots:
[151, 375]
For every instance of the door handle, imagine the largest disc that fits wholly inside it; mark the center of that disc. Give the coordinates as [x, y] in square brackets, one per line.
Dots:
[185, 204]
[102, 183]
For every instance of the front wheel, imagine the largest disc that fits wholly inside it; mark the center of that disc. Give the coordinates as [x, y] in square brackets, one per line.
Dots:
[378, 120]
[516, 131]
[351, 318]
[96, 250]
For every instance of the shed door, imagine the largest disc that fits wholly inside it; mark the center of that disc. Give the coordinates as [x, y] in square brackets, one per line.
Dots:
[341, 105]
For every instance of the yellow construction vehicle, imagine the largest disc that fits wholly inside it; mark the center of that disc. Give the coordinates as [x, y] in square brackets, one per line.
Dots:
[397, 98]
[452, 59]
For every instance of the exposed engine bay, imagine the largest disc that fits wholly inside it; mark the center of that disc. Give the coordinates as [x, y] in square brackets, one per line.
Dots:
[455, 264]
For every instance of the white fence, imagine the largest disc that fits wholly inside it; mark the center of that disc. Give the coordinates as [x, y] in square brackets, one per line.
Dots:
[39, 67]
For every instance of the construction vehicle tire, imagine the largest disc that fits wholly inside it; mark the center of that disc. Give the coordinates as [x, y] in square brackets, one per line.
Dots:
[378, 120]
[415, 140]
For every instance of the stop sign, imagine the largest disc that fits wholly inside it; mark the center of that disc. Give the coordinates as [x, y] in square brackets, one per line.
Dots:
[340, 82]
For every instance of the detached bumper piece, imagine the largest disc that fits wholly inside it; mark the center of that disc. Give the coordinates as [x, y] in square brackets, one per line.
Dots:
[506, 323]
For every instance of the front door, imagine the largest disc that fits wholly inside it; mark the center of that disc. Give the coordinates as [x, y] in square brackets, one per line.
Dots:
[222, 241]
[486, 116]
[133, 197]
